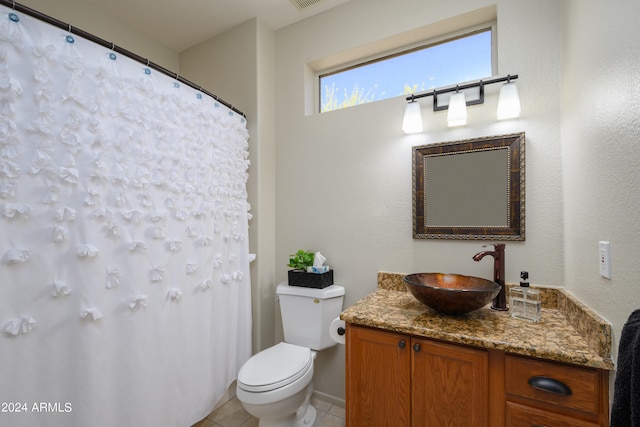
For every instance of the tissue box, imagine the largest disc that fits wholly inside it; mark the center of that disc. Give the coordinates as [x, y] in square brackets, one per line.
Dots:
[310, 280]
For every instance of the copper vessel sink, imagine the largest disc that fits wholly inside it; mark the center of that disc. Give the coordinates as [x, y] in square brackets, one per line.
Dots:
[451, 294]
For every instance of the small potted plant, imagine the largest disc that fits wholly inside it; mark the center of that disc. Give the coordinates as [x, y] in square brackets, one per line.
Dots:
[304, 273]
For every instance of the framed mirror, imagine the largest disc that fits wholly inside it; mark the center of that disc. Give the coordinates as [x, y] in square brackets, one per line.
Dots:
[470, 189]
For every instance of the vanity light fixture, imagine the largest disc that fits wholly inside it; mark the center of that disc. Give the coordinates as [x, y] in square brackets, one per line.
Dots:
[457, 115]
[508, 103]
[412, 122]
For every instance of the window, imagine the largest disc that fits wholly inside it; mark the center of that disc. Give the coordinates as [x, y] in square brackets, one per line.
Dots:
[454, 60]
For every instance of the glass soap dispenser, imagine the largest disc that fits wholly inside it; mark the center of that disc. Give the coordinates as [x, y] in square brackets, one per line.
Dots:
[525, 302]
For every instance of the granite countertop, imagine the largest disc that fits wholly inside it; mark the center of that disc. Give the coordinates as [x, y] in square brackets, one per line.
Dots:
[568, 330]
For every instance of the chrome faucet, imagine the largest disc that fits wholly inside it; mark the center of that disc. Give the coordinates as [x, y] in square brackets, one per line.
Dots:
[500, 301]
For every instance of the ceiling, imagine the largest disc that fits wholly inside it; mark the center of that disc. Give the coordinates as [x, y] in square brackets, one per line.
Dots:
[185, 23]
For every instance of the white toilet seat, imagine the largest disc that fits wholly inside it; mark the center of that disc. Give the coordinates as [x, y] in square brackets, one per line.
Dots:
[275, 367]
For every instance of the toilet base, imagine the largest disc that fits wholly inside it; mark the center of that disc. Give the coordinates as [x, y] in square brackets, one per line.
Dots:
[306, 414]
[276, 414]
[309, 418]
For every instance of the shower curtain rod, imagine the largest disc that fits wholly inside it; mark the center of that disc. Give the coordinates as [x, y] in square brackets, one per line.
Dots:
[73, 30]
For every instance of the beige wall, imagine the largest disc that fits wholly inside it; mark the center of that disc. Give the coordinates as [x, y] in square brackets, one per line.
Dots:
[344, 178]
[601, 153]
[91, 18]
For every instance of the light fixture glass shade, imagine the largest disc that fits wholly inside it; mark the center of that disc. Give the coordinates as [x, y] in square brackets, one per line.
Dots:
[457, 115]
[509, 102]
[412, 122]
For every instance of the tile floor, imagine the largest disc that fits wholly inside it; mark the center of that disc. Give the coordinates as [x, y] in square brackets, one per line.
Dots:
[232, 414]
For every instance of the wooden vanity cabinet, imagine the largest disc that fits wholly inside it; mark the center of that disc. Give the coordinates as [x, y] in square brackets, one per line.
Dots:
[393, 379]
[397, 380]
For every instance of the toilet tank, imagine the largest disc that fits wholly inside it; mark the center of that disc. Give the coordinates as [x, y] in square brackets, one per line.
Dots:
[307, 314]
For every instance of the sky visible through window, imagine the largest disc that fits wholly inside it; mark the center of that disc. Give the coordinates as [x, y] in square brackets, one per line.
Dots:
[460, 60]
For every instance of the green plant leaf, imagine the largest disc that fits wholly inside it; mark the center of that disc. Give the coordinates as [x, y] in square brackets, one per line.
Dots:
[301, 260]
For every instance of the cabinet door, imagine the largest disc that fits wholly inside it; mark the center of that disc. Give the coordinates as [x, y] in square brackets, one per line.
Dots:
[378, 378]
[449, 385]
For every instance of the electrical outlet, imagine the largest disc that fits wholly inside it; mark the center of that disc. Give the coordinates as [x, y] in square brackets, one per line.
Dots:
[604, 262]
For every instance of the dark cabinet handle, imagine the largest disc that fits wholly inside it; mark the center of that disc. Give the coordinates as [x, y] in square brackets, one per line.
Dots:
[341, 331]
[550, 385]
[416, 347]
[538, 425]
[402, 344]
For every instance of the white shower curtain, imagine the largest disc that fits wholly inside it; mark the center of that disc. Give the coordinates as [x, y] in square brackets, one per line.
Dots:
[124, 264]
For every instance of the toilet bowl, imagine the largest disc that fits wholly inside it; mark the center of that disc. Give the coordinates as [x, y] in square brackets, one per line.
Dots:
[276, 384]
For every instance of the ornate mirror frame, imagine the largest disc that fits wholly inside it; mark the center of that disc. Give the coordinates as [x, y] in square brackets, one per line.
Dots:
[512, 209]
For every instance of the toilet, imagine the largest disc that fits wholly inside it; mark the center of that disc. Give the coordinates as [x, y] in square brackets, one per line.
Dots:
[276, 384]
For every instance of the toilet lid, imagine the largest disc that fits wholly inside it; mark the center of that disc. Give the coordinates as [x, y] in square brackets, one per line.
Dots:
[275, 367]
